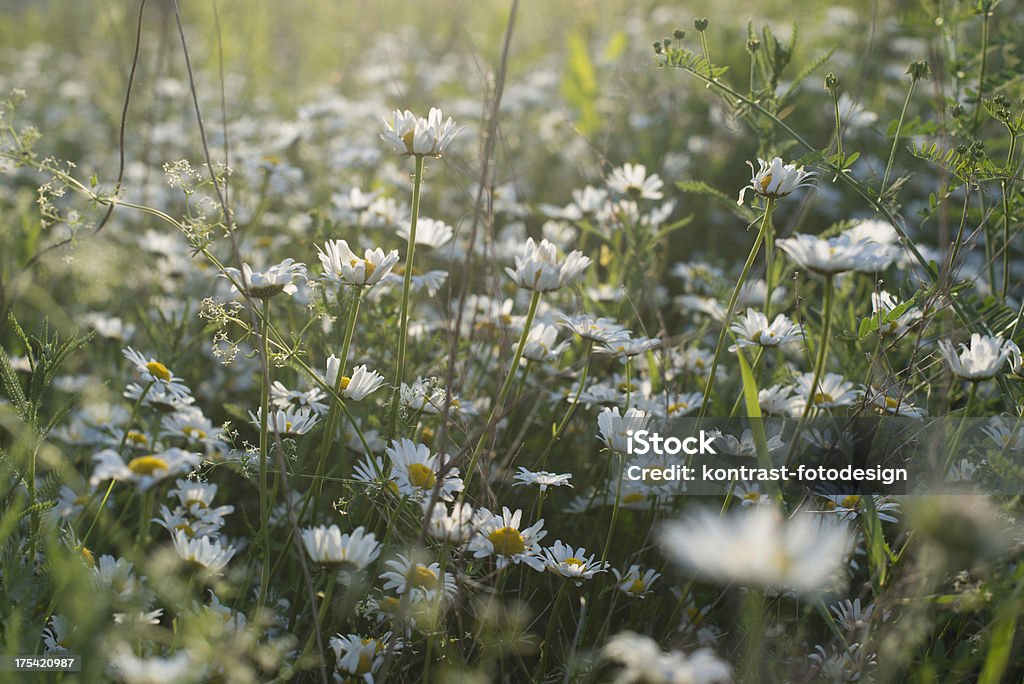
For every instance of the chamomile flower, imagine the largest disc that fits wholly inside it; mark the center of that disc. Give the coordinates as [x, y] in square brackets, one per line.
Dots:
[500, 536]
[265, 284]
[360, 385]
[673, 405]
[429, 232]
[421, 581]
[837, 254]
[203, 553]
[634, 582]
[173, 669]
[57, 635]
[416, 471]
[632, 180]
[894, 406]
[142, 471]
[341, 265]
[779, 400]
[428, 396]
[571, 563]
[752, 329]
[328, 546]
[850, 616]
[165, 397]
[643, 661]
[193, 524]
[284, 398]
[599, 330]
[615, 429]
[152, 371]
[882, 305]
[189, 424]
[628, 348]
[832, 391]
[195, 495]
[118, 577]
[455, 526]
[288, 423]
[850, 506]
[415, 136]
[541, 344]
[776, 179]
[744, 447]
[357, 656]
[979, 361]
[757, 546]
[542, 479]
[539, 268]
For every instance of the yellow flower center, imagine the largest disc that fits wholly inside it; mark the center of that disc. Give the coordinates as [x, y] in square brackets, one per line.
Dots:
[635, 497]
[389, 604]
[195, 502]
[765, 182]
[345, 380]
[186, 528]
[137, 437]
[507, 541]
[423, 577]
[426, 435]
[369, 267]
[823, 398]
[193, 432]
[366, 658]
[147, 465]
[851, 501]
[408, 140]
[681, 406]
[422, 476]
[891, 403]
[158, 371]
[575, 562]
[637, 587]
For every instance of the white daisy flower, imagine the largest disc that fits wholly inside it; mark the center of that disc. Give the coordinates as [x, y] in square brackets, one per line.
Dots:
[600, 330]
[360, 657]
[328, 546]
[142, 471]
[539, 268]
[265, 284]
[981, 360]
[174, 669]
[342, 266]
[541, 344]
[423, 582]
[756, 546]
[197, 430]
[850, 506]
[894, 406]
[208, 555]
[360, 385]
[744, 447]
[57, 635]
[284, 398]
[776, 179]
[500, 536]
[429, 232]
[837, 254]
[455, 526]
[542, 478]
[779, 400]
[832, 390]
[152, 371]
[752, 329]
[571, 563]
[634, 582]
[628, 348]
[643, 661]
[632, 180]
[415, 136]
[616, 429]
[416, 470]
[882, 304]
[288, 423]
[166, 397]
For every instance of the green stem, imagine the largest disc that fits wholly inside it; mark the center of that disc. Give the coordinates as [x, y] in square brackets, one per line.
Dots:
[896, 138]
[984, 62]
[587, 354]
[730, 311]
[264, 451]
[496, 409]
[403, 327]
[819, 365]
[839, 127]
[769, 249]
[615, 510]
[550, 632]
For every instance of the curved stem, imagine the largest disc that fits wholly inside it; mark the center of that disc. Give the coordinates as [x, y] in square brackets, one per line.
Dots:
[587, 354]
[264, 451]
[615, 510]
[896, 138]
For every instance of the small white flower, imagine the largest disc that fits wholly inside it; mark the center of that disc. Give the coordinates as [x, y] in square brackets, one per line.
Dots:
[753, 329]
[342, 265]
[632, 180]
[571, 563]
[421, 581]
[416, 471]
[979, 361]
[832, 390]
[328, 546]
[837, 254]
[634, 582]
[756, 546]
[285, 422]
[541, 344]
[210, 556]
[142, 471]
[882, 304]
[776, 179]
[429, 232]
[600, 330]
[500, 536]
[455, 526]
[644, 661]
[360, 385]
[413, 135]
[152, 371]
[616, 429]
[265, 284]
[628, 348]
[542, 478]
[539, 268]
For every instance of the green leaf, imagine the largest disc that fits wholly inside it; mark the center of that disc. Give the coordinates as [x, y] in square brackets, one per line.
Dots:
[579, 84]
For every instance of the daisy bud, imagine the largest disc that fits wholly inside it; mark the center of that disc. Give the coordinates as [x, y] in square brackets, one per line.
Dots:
[700, 24]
